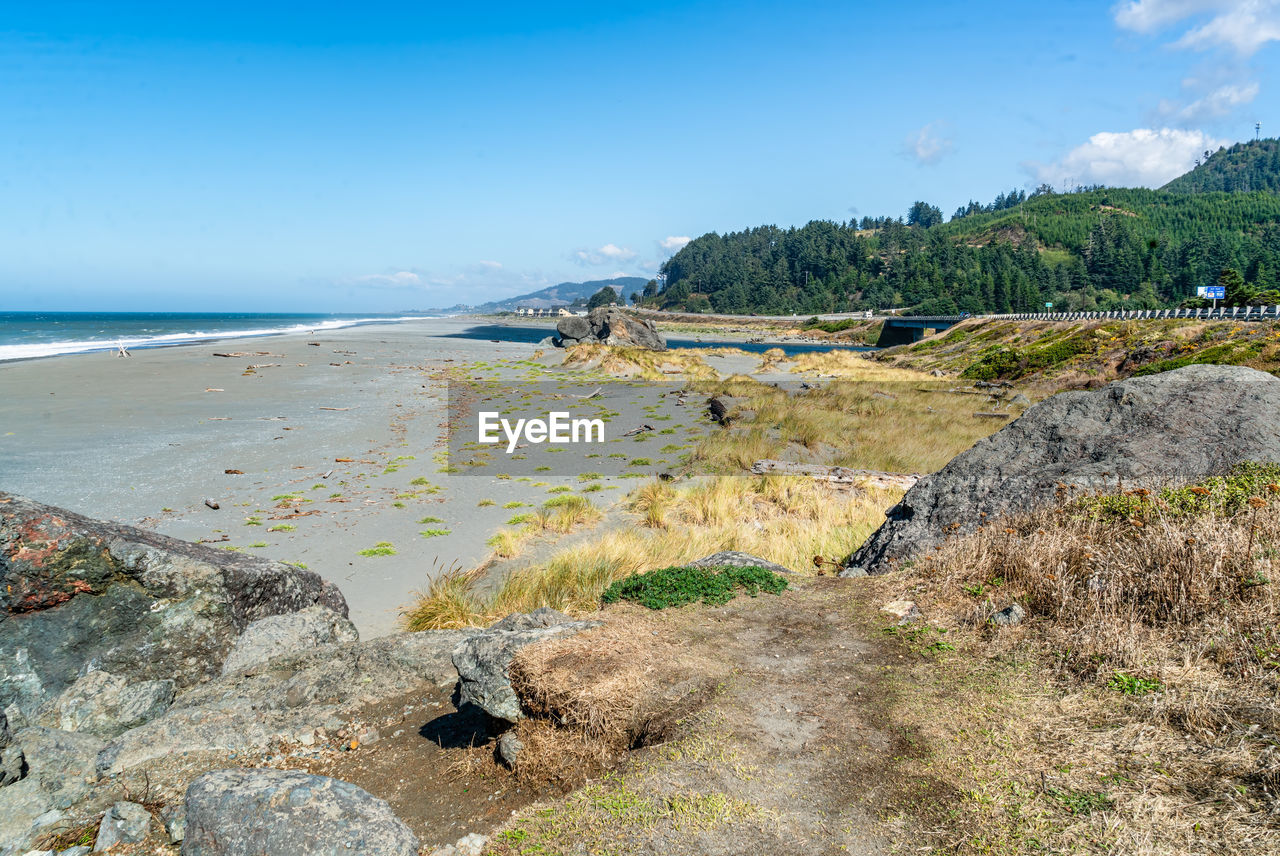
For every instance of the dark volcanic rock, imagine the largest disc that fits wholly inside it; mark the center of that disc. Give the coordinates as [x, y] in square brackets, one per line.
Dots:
[289, 813]
[1143, 432]
[77, 593]
[610, 326]
[482, 661]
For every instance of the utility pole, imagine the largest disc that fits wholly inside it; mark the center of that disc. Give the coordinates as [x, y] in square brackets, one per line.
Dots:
[1257, 131]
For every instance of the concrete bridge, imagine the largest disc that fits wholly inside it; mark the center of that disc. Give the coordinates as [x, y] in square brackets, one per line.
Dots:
[905, 329]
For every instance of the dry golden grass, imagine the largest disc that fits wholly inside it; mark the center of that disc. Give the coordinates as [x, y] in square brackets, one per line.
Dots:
[626, 684]
[638, 362]
[785, 520]
[1158, 636]
[852, 365]
[877, 425]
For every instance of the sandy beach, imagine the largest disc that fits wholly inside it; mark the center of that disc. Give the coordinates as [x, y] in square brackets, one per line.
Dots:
[339, 439]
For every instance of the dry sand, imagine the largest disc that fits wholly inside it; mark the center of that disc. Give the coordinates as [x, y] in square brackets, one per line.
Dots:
[145, 440]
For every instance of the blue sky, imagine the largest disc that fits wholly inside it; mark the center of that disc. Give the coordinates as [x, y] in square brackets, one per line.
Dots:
[384, 156]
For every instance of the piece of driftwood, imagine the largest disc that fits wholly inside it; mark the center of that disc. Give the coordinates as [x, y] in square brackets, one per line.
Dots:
[212, 503]
[836, 475]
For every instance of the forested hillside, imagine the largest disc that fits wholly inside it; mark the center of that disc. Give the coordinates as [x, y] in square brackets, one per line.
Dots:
[1101, 248]
[1243, 168]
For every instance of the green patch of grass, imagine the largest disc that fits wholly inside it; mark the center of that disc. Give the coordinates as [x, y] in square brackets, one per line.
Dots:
[922, 638]
[253, 521]
[420, 481]
[542, 469]
[677, 586]
[485, 503]
[397, 504]
[429, 519]
[1133, 685]
[434, 533]
[282, 527]
[382, 548]
[640, 462]
[585, 477]
[520, 519]
[1081, 803]
[564, 488]
[592, 488]
[515, 503]
[257, 545]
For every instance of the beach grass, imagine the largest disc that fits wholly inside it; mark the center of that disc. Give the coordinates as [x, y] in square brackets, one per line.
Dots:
[780, 519]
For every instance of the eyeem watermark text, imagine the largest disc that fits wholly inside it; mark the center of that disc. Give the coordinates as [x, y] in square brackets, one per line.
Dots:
[558, 427]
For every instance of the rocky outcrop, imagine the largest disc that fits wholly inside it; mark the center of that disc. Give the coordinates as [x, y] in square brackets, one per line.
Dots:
[123, 823]
[78, 594]
[59, 778]
[288, 813]
[483, 660]
[737, 559]
[268, 638]
[104, 704]
[1142, 432]
[13, 764]
[290, 698]
[610, 326]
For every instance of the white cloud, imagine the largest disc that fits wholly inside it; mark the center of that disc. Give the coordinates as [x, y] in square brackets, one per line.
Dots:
[1244, 26]
[488, 265]
[674, 243]
[927, 145]
[1214, 105]
[399, 279]
[608, 254]
[1144, 157]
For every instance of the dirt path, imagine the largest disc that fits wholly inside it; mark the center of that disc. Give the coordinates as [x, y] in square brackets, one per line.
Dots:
[793, 754]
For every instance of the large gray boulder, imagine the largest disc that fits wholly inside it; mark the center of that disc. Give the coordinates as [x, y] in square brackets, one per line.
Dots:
[483, 660]
[78, 595]
[1142, 432]
[574, 329]
[278, 635]
[737, 559]
[289, 813]
[610, 325]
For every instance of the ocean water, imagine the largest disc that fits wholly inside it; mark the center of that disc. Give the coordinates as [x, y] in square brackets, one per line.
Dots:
[533, 335]
[24, 335]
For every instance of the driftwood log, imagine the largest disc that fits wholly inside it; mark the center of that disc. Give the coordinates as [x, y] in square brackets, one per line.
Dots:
[836, 475]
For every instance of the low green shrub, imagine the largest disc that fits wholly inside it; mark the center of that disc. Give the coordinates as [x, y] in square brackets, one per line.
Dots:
[677, 586]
